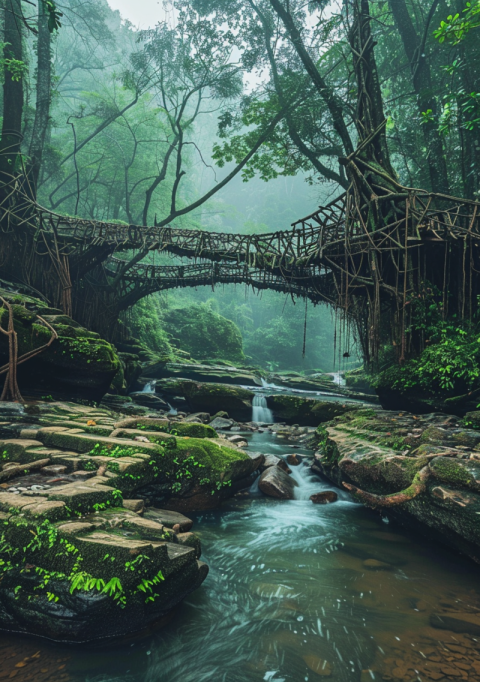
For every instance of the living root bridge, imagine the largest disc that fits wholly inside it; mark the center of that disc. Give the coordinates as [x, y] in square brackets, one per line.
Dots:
[421, 249]
[141, 280]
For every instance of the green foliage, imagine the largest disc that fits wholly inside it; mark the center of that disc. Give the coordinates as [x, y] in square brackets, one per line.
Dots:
[449, 365]
[204, 333]
[458, 25]
[54, 15]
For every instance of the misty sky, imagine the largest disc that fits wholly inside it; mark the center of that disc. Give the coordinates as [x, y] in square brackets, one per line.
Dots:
[142, 13]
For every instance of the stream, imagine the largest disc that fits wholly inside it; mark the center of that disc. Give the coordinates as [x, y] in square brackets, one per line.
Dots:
[288, 598]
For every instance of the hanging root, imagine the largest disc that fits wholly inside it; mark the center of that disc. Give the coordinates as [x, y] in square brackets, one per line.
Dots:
[417, 487]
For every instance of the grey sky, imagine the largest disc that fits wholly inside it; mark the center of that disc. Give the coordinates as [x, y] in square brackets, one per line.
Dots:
[142, 13]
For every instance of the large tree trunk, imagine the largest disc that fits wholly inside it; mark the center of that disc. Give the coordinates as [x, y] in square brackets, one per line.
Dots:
[422, 83]
[370, 116]
[12, 92]
[44, 85]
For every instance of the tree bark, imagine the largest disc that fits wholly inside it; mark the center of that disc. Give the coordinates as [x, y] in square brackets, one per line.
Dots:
[414, 48]
[370, 116]
[44, 89]
[12, 92]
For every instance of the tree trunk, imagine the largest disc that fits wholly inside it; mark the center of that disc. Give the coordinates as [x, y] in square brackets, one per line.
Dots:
[44, 85]
[422, 83]
[12, 92]
[370, 115]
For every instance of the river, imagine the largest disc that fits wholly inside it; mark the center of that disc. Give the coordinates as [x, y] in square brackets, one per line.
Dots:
[289, 597]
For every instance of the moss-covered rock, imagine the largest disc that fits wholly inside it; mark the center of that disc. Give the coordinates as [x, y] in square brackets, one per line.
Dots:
[411, 468]
[210, 398]
[79, 363]
[198, 474]
[215, 373]
[193, 430]
[306, 411]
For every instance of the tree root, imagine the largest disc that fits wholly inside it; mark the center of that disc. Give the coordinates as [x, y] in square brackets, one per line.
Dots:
[417, 487]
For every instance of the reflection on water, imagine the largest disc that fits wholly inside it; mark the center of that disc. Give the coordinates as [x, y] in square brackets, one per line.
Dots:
[296, 592]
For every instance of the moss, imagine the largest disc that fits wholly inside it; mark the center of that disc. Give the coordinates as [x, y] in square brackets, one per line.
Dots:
[200, 462]
[452, 471]
[306, 411]
[194, 430]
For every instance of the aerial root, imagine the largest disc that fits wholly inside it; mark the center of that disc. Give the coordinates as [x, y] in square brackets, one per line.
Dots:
[417, 487]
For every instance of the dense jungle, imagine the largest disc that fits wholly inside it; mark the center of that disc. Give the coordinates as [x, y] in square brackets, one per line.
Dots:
[239, 340]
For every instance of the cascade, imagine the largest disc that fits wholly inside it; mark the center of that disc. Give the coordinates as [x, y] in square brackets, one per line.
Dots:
[260, 411]
[267, 385]
[149, 387]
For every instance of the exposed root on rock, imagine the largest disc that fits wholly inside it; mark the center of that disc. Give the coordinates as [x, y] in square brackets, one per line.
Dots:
[417, 487]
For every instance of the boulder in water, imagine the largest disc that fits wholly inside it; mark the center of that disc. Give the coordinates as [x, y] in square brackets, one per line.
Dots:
[325, 497]
[293, 460]
[276, 483]
[149, 400]
[221, 423]
[300, 411]
[271, 461]
[237, 401]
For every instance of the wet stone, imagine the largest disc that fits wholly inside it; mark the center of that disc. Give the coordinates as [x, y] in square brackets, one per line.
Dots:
[324, 497]
[169, 518]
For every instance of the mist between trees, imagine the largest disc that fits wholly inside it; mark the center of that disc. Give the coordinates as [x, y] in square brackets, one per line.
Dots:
[159, 126]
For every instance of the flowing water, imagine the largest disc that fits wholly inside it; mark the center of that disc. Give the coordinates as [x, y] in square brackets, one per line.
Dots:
[260, 411]
[149, 387]
[292, 596]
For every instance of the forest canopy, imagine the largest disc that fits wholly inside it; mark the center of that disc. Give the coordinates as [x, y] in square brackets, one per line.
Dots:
[164, 126]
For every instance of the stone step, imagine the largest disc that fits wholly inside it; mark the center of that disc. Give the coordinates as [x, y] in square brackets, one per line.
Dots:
[59, 437]
[32, 506]
[169, 518]
[21, 450]
[152, 436]
[82, 497]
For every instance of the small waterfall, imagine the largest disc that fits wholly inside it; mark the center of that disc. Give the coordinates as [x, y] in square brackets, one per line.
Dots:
[173, 411]
[338, 379]
[260, 411]
[265, 384]
[149, 387]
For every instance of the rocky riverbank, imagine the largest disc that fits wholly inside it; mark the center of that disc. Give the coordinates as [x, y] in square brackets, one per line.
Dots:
[85, 555]
[422, 470]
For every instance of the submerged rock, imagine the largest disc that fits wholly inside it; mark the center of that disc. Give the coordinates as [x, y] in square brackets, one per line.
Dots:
[326, 497]
[274, 482]
[456, 622]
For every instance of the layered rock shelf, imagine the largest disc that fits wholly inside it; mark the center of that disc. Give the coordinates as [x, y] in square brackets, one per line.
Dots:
[423, 470]
[86, 555]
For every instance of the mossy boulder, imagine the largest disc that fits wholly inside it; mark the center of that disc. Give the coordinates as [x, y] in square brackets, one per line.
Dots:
[127, 375]
[306, 411]
[193, 430]
[79, 363]
[198, 474]
[215, 373]
[210, 398]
